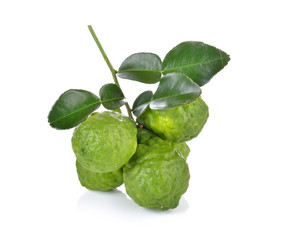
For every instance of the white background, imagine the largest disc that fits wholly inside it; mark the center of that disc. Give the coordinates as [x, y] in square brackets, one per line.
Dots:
[236, 162]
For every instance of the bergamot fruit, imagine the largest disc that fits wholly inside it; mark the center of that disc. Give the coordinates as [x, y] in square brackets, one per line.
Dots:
[178, 124]
[105, 141]
[99, 181]
[147, 137]
[156, 177]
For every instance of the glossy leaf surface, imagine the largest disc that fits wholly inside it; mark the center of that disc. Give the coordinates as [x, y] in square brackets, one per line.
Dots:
[174, 89]
[71, 108]
[111, 96]
[197, 60]
[141, 67]
[141, 102]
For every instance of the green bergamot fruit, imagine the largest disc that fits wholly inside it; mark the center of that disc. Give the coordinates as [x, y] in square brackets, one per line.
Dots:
[99, 181]
[105, 141]
[156, 177]
[149, 138]
[178, 124]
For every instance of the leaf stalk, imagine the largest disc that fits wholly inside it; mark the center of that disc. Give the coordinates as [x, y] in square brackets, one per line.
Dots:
[113, 71]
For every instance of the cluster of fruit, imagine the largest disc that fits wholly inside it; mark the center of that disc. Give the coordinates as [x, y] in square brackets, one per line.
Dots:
[149, 158]
[149, 154]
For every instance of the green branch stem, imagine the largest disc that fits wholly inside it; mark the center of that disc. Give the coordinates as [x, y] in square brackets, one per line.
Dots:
[113, 71]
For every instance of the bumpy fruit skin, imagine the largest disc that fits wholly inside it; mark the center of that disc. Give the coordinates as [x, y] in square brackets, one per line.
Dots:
[99, 181]
[105, 141]
[178, 124]
[156, 177]
[147, 137]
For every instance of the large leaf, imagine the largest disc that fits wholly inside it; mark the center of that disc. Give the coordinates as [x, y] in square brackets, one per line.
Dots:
[111, 96]
[197, 60]
[174, 89]
[141, 67]
[72, 107]
[141, 102]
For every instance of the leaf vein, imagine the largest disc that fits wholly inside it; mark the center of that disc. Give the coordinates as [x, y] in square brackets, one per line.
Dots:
[191, 65]
[139, 70]
[67, 115]
[112, 99]
[171, 96]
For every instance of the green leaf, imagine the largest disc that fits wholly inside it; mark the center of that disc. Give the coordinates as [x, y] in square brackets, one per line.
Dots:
[197, 60]
[118, 110]
[141, 67]
[71, 108]
[141, 102]
[111, 96]
[174, 89]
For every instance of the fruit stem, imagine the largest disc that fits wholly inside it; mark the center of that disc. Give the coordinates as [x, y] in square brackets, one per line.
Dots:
[113, 71]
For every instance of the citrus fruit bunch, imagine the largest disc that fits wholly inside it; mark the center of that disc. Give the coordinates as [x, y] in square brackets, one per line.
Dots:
[147, 153]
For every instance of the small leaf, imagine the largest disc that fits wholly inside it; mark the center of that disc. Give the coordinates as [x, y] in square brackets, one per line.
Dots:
[197, 60]
[118, 110]
[111, 96]
[71, 108]
[141, 67]
[174, 89]
[141, 102]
